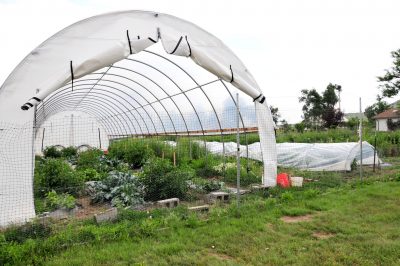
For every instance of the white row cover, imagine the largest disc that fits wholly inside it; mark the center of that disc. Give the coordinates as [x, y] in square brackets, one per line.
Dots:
[314, 156]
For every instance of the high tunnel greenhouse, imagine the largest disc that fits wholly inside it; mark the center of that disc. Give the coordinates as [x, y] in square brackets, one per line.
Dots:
[122, 75]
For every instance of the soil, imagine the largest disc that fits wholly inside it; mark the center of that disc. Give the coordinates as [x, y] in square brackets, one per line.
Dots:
[297, 219]
[87, 210]
[220, 256]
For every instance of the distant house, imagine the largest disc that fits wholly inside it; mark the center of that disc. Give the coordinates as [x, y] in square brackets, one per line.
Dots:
[381, 119]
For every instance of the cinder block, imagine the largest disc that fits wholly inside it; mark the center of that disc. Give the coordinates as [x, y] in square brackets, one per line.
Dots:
[233, 190]
[202, 208]
[258, 188]
[107, 216]
[168, 203]
[216, 196]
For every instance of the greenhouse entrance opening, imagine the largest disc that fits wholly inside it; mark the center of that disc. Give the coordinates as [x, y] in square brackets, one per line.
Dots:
[119, 88]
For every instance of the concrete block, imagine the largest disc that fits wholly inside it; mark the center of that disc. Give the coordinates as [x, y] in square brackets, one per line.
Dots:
[202, 208]
[215, 196]
[168, 203]
[258, 188]
[107, 216]
[234, 190]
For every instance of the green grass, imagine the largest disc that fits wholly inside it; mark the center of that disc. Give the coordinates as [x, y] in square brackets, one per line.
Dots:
[363, 219]
[364, 222]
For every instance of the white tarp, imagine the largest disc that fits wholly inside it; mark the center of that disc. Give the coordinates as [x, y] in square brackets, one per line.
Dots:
[100, 41]
[310, 156]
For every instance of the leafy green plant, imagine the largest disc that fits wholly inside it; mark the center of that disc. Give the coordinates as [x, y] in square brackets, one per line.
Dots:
[353, 165]
[287, 196]
[121, 189]
[246, 177]
[69, 152]
[56, 174]
[52, 152]
[204, 166]
[206, 185]
[20, 234]
[311, 193]
[90, 174]
[90, 159]
[162, 180]
[137, 153]
[64, 200]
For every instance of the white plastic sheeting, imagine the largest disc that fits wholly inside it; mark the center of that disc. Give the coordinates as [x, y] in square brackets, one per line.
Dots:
[100, 41]
[313, 157]
[71, 129]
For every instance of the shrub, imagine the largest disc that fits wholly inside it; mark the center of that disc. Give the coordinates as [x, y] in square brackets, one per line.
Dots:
[121, 189]
[69, 152]
[56, 201]
[52, 152]
[206, 185]
[56, 174]
[204, 166]
[90, 159]
[162, 180]
[137, 153]
[20, 234]
[246, 178]
[90, 174]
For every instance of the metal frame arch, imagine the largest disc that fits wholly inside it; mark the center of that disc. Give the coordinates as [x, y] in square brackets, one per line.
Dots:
[98, 94]
[200, 87]
[65, 92]
[194, 80]
[130, 96]
[183, 92]
[95, 111]
[142, 86]
[92, 115]
[67, 106]
[100, 106]
[159, 100]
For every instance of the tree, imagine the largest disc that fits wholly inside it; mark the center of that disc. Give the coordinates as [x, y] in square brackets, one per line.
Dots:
[300, 127]
[390, 82]
[312, 108]
[275, 113]
[376, 108]
[285, 126]
[320, 109]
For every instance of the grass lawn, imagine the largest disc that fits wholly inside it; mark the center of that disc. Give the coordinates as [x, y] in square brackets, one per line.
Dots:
[348, 225]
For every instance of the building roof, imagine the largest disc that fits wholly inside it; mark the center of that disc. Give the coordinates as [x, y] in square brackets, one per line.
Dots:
[354, 115]
[390, 113]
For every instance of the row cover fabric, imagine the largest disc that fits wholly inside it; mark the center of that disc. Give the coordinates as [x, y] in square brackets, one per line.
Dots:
[100, 41]
[310, 156]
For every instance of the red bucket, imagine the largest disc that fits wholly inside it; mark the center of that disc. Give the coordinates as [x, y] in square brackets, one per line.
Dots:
[283, 180]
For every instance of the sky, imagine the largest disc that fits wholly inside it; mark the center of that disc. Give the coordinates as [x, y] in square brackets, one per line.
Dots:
[288, 45]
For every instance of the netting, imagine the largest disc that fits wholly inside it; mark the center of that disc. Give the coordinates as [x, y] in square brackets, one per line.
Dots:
[16, 172]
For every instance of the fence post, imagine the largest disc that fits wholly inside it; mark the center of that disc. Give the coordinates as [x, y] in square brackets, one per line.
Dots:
[34, 124]
[44, 129]
[374, 150]
[99, 138]
[361, 157]
[238, 149]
